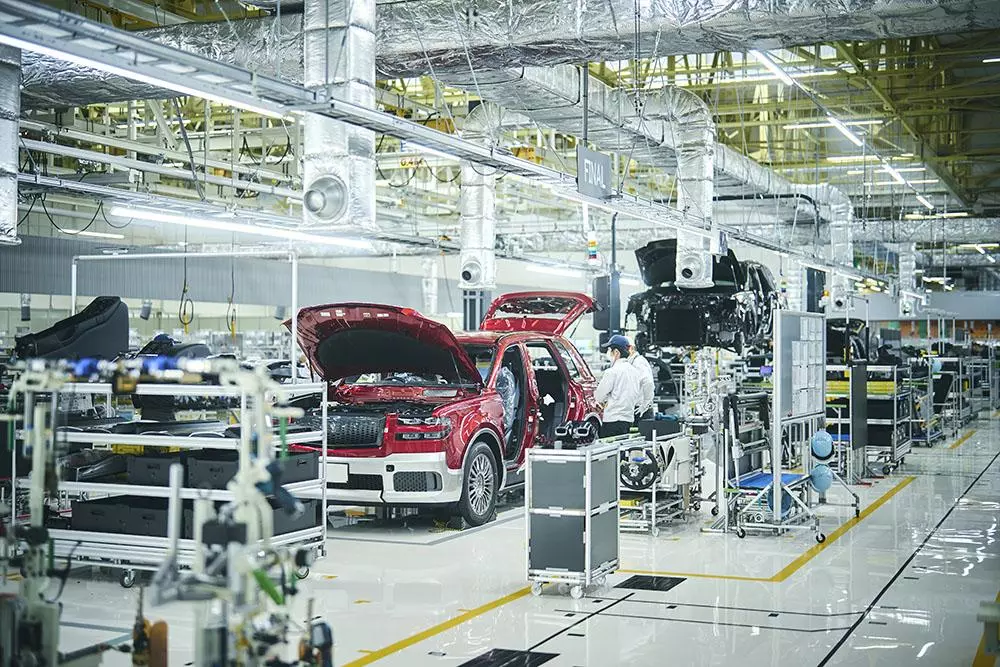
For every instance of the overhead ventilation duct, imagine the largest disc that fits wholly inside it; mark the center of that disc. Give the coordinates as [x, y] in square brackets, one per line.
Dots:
[840, 213]
[10, 110]
[416, 38]
[907, 279]
[339, 159]
[477, 199]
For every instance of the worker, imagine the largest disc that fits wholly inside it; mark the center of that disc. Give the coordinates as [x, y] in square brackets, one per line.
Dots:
[641, 364]
[618, 393]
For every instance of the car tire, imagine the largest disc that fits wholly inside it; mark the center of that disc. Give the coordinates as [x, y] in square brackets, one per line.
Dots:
[480, 485]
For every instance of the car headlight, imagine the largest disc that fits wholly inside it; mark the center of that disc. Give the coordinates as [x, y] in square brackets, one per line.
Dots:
[423, 421]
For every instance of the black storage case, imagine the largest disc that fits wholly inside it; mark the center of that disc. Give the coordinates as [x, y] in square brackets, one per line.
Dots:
[152, 469]
[147, 516]
[103, 515]
[212, 469]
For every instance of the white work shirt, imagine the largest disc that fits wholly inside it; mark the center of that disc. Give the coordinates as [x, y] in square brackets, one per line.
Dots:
[619, 392]
[641, 364]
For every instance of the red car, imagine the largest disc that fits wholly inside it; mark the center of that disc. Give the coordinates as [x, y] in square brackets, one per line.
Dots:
[417, 413]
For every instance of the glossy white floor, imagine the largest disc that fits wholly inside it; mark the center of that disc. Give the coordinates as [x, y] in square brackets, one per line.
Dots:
[899, 586]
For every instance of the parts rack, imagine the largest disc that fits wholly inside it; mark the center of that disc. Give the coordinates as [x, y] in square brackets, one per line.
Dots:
[131, 552]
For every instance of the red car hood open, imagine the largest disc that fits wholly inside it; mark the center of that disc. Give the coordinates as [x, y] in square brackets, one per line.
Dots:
[544, 312]
[346, 339]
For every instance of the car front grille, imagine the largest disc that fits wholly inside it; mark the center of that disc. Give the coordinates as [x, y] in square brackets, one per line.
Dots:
[355, 431]
[358, 483]
[415, 481]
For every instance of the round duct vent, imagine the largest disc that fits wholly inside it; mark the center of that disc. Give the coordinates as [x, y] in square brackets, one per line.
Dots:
[326, 198]
[694, 269]
[472, 272]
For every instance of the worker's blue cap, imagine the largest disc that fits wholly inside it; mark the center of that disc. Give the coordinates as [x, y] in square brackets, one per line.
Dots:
[617, 341]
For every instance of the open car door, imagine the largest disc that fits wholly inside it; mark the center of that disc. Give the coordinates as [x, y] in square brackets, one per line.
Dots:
[541, 312]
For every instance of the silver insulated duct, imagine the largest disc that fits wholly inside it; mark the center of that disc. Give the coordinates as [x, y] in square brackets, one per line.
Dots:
[10, 110]
[415, 38]
[907, 279]
[478, 202]
[339, 159]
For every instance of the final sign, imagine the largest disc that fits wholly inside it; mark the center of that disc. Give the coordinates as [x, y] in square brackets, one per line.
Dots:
[593, 173]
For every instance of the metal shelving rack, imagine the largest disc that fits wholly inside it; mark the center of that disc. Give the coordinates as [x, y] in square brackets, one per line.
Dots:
[648, 510]
[978, 373]
[890, 412]
[847, 417]
[925, 423]
[141, 552]
[955, 410]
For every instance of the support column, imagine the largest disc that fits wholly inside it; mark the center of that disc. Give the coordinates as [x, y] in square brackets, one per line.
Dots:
[474, 305]
[10, 111]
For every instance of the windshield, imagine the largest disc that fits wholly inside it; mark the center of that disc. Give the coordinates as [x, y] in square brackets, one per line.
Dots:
[482, 356]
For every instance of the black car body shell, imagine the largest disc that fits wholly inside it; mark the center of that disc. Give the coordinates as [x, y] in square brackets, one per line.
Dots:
[733, 314]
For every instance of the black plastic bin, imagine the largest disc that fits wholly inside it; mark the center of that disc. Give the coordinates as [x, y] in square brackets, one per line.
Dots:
[147, 516]
[152, 469]
[103, 515]
[212, 469]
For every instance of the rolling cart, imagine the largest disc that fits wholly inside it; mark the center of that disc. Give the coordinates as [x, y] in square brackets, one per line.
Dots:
[571, 510]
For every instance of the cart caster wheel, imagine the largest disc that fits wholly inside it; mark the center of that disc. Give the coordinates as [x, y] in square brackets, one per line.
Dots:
[127, 579]
[601, 581]
[576, 592]
[740, 533]
[886, 470]
[536, 588]
[821, 538]
[696, 507]
[562, 588]
[655, 532]
[301, 573]
[715, 511]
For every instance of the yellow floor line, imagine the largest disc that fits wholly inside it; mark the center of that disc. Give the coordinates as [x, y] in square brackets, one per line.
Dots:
[437, 629]
[982, 659]
[787, 571]
[812, 552]
[961, 441]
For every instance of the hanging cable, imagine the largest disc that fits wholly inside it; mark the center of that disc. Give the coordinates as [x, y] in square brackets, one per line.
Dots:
[187, 143]
[185, 311]
[231, 306]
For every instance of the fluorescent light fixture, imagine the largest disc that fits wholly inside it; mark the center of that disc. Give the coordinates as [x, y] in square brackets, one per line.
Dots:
[906, 155]
[902, 170]
[925, 201]
[875, 288]
[993, 260]
[556, 270]
[917, 181]
[949, 287]
[96, 235]
[852, 158]
[134, 76]
[846, 131]
[772, 67]
[991, 60]
[240, 228]
[827, 123]
[929, 291]
[896, 176]
[934, 216]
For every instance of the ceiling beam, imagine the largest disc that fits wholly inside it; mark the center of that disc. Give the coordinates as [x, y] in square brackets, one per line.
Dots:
[924, 147]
